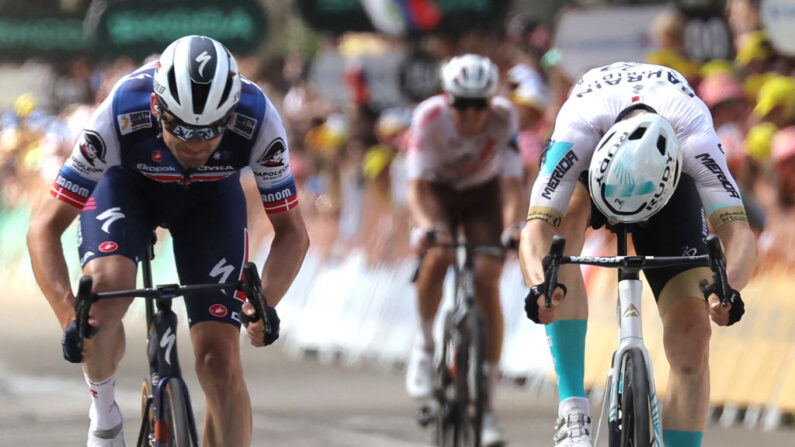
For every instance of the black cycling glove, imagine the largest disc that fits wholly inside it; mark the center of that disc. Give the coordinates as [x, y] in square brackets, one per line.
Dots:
[736, 301]
[531, 301]
[272, 323]
[70, 342]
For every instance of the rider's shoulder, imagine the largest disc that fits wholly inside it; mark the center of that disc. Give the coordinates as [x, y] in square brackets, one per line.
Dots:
[430, 110]
[502, 107]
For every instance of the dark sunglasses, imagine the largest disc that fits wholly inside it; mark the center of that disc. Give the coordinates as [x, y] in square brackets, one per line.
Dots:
[185, 132]
[475, 103]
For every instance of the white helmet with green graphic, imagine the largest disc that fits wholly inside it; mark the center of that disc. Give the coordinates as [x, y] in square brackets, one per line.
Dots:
[635, 168]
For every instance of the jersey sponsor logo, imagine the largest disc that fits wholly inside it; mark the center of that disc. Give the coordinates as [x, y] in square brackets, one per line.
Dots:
[86, 257]
[109, 216]
[285, 193]
[631, 73]
[72, 187]
[83, 168]
[206, 168]
[563, 166]
[92, 147]
[218, 310]
[157, 156]
[108, 247]
[130, 122]
[244, 125]
[713, 167]
[146, 168]
[274, 154]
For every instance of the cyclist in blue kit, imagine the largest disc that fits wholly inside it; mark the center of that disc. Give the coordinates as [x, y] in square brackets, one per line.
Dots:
[165, 148]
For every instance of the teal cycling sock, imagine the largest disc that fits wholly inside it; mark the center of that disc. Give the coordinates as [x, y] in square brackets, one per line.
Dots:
[567, 344]
[679, 438]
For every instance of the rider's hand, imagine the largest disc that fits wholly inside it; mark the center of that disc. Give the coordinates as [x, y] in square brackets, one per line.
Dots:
[535, 303]
[511, 235]
[69, 344]
[424, 238]
[256, 330]
[732, 313]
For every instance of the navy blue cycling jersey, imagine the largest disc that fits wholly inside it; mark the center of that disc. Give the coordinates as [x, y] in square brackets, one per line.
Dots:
[123, 131]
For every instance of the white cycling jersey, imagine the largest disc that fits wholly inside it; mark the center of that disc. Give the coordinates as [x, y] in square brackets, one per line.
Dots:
[592, 108]
[437, 152]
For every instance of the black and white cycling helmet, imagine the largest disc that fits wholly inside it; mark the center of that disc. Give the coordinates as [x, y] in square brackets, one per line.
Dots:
[469, 76]
[635, 168]
[197, 80]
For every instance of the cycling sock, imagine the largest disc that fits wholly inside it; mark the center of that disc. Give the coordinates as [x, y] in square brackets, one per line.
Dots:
[426, 334]
[104, 413]
[567, 345]
[680, 438]
[492, 373]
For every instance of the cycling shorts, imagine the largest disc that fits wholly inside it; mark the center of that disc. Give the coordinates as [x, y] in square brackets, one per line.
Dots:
[207, 222]
[478, 210]
[678, 229]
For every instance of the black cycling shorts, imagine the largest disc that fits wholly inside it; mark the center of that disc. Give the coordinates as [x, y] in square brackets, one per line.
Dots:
[678, 229]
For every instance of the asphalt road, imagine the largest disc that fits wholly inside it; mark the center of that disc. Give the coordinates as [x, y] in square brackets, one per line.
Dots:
[297, 401]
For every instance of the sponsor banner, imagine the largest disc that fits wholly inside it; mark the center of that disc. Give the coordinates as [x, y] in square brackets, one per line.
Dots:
[592, 37]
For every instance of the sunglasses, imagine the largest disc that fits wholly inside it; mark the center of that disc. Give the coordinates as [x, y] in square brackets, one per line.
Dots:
[185, 132]
[475, 103]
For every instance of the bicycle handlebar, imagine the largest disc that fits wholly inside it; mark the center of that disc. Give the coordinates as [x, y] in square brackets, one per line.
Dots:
[495, 250]
[250, 285]
[714, 259]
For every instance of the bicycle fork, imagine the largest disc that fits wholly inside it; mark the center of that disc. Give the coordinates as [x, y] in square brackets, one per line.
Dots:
[630, 335]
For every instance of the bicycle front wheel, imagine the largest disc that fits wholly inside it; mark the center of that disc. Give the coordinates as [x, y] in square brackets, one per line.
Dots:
[175, 426]
[634, 400]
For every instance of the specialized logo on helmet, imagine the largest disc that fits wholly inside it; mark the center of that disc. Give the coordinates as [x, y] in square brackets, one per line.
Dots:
[202, 59]
[274, 155]
[92, 147]
[203, 54]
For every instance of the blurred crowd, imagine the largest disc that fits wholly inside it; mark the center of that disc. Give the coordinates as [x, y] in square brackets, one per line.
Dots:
[348, 156]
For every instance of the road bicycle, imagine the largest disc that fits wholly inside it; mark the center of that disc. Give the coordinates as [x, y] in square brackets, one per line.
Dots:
[630, 401]
[166, 412]
[460, 391]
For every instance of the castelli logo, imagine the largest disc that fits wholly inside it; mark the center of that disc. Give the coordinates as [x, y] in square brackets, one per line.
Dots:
[157, 156]
[108, 246]
[218, 310]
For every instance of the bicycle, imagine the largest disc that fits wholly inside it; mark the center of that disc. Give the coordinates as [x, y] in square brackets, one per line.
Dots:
[460, 392]
[634, 414]
[166, 412]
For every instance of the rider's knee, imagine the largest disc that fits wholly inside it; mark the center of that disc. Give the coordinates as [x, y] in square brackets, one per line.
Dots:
[437, 261]
[218, 368]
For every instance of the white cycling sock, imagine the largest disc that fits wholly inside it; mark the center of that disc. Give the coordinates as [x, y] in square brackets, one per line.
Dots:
[426, 334]
[104, 414]
[574, 403]
[492, 373]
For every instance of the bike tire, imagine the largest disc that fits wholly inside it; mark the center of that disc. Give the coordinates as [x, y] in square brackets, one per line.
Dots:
[633, 425]
[146, 433]
[175, 415]
[444, 393]
[478, 394]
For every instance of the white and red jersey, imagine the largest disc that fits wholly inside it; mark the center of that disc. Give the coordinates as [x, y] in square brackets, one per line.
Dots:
[595, 102]
[438, 153]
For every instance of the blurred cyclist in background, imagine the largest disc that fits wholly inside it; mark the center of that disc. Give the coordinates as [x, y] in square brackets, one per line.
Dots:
[658, 167]
[464, 170]
[165, 148]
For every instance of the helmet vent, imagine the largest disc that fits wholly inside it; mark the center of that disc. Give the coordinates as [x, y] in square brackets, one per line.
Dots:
[172, 85]
[638, 133]
[227, 88]
[200, 92]
[661, 144]
[605, 140]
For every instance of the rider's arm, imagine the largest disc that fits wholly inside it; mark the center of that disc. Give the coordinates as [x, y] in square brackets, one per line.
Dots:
[739, 247]
[705, 162]
[534, 245]
[422, 204]
[287, 252]
[513, 201]
[46, 255]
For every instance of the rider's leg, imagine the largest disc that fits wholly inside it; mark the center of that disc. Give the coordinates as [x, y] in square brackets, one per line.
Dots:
[566, 335]
[686, 334]
[105, 349]
[227, 418]
[429, 290]
[487, 291]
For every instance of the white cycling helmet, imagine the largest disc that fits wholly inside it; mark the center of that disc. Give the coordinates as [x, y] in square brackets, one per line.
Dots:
[635, 168]
[197, 80]
[470, 76]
